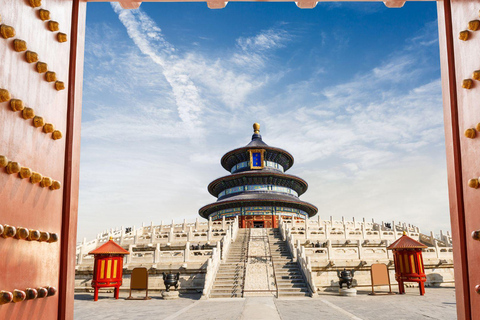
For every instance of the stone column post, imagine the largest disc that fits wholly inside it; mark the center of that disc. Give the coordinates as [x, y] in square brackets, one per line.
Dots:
[186, 255]
[157, 253]
[152, 232]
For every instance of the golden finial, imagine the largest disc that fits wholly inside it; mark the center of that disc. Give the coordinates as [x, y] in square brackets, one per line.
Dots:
[404, 232]
[111, 238]
[256, 128]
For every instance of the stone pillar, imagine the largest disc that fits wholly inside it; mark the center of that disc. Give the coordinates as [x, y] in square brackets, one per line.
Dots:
[128, 257]
[186, 255]
[184, 228]
[80, 255]
[329, 250]
[197, 224]
[153, 235]
[223, 222]
[157, 253]
[190, 234]
[359, 247]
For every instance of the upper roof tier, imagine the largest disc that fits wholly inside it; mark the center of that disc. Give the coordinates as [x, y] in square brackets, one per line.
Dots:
[272, 154]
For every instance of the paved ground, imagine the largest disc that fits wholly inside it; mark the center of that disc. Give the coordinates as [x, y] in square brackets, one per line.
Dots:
[438, 303]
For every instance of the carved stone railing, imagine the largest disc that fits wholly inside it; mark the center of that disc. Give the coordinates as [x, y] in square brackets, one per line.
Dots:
[298, 253]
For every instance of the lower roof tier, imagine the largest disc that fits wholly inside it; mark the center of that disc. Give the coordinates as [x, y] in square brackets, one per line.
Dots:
[262, 199]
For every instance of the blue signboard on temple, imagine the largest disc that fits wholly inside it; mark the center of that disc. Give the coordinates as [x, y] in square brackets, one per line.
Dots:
[256, 159]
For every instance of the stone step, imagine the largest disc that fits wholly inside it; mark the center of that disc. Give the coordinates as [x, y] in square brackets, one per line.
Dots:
[283, 273]
[283, 267]
[230, 286]
[223, 295]
[293, 294]
[289, 277]
[288, 286]
[230, 274]
[292, 290]
[281, 282]
[233, 276]
[226, 294]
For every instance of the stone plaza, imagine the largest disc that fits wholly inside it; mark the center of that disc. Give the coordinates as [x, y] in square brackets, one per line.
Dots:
[438, 303]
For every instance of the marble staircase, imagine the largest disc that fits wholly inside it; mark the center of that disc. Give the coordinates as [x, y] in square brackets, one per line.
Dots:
[288, 275]
[230, 276]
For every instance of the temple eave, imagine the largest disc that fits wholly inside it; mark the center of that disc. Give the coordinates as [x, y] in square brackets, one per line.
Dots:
[205, 211]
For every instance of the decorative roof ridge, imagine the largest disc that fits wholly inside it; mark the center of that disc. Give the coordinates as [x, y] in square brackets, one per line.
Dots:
[109, 247]
[405, 242]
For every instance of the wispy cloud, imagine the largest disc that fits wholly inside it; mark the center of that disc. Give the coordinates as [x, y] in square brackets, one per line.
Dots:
[149, 39]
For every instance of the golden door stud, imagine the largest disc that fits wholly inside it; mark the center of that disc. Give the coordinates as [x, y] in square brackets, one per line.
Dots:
[25, 173]
[35, 3]
[470, 133]
[53, 26]
[19, 45]
[3, 161]
[46, 182]
[474, 25]
[42, 67]
[28, 113]
[48, 128]
[4, 95]
[473, 183]
[57, 134]
[464, 35]
[44, 14]
[6, 31]
[61, 37]
[467, 84]
[50, 76]
[13, 167]
[38, 122]
[31, 57]
[16, 105]
[59, 85]
[36, 177]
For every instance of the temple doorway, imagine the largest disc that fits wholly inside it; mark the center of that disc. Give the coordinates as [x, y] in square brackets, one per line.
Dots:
[259, 224]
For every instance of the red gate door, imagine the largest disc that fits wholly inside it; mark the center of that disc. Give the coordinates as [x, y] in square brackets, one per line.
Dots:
[40, 78]
[460, 59]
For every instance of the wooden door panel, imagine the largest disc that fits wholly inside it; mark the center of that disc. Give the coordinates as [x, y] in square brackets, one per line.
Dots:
[459, 60]
[467, 60]
[31, 264]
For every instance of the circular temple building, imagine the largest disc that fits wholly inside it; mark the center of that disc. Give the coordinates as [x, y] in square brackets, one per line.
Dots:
[258, 190]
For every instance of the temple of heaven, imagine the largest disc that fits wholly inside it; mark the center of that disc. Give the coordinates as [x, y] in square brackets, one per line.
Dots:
[258, 190]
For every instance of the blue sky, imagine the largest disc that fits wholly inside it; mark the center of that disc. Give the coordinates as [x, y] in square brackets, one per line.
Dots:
[352, 90]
